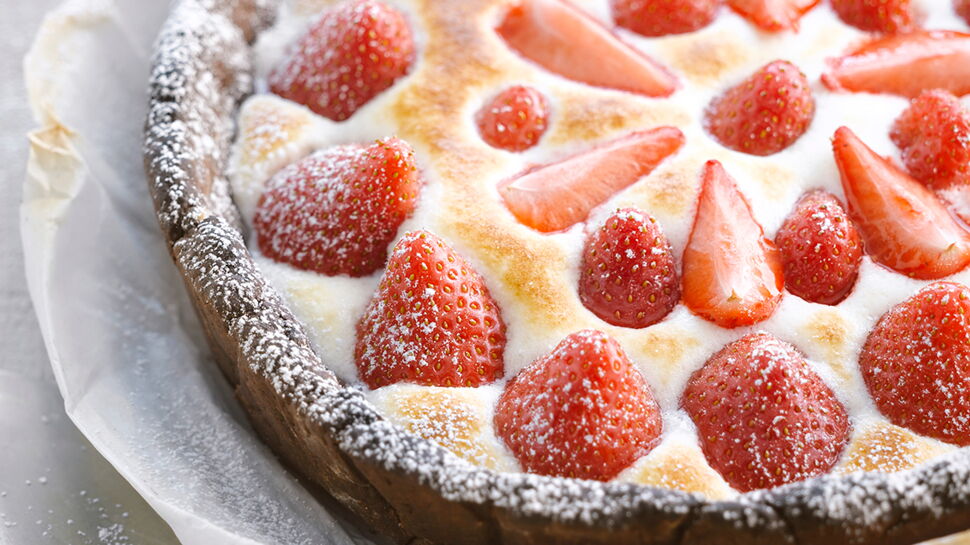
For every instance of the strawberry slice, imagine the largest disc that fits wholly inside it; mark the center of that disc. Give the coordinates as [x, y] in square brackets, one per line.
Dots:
[820, 248]
[556, 196]
[763, 416]
[564, 40]
[904, 226]
[765, 113]
[916, 363]
[432, 321]
[905, 65]
[349, 55]
[515, 119]
[732, 274]
[336, 210]
[886, 16]
[664, 17]
[629, 276]
[580, 411]
[773, 15]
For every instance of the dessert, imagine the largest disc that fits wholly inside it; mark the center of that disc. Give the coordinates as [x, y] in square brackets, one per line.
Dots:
[515, 251]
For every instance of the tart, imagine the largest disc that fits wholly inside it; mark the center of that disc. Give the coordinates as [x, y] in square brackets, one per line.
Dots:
[532, 271]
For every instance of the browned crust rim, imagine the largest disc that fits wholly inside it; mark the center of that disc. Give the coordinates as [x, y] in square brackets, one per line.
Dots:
[408, 488]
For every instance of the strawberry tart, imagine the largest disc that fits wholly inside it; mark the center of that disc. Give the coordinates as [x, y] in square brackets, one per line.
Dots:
[601, 271]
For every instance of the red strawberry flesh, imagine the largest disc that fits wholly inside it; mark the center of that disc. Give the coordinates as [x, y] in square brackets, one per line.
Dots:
[566, 41]
[905, 65]
[664, 17]
[557, 196]
[773, 15]
[732, 274]
[903, 225]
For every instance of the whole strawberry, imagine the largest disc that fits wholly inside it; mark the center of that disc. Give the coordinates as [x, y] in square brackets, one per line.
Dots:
[336, 210]
[916, 363]
[663, 17]
[765, 113]
[820, 249]
[886, 16]
[628, 276]
[515, 119]
[934, 136]
[351, 54]
[431, 322]
[763, 416]
[580, 411]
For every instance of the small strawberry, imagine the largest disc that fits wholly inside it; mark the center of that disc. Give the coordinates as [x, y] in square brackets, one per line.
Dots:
[886, 16]
[335, 211]
[567, 41]
[557, 196]
[934, 136]
[904, 226]
[581, 411]
[905, 65]
[732, 274]
[962, 7]
[916, 363]
[663, 17]
[765, 113]
[351, 54]
[763, 416]
[515, 119]
[773, 15]
[820, 248]
[628, 276]
[431, 322]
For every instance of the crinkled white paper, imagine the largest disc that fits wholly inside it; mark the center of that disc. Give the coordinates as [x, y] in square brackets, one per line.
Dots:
[123, 341]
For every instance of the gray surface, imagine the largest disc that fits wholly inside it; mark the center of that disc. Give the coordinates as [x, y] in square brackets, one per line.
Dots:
[44, 499]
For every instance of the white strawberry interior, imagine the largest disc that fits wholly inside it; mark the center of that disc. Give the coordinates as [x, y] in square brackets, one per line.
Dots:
[830, 337]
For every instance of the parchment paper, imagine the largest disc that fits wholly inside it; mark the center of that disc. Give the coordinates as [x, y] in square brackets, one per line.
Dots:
[123, 342]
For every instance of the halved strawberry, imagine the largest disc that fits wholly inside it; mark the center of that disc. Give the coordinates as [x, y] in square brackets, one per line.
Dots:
[905, 64]
[732, 274]
[556, 196]
[515, 119]
[962, 7]
[934, 136]
[886, 16]
[765, 113]
[916, 363]
[664, 17]
[821, 249]
[904, 226]
[352, 53]
[336, 210]
[431, 322]
[764, 417]
[564, 40]
[773, 15]
[580, 411]
[628, 276]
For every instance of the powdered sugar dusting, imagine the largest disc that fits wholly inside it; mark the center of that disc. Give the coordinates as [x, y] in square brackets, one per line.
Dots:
[186, 143]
